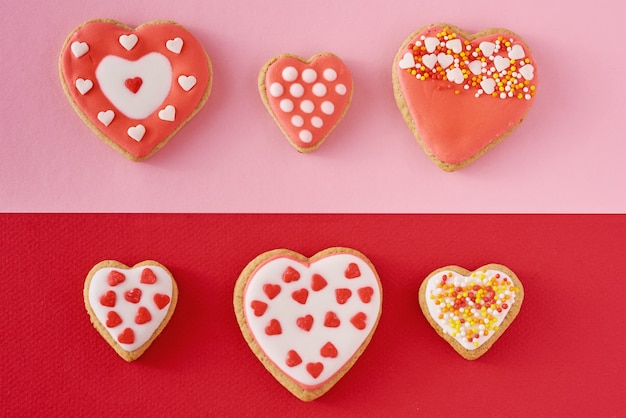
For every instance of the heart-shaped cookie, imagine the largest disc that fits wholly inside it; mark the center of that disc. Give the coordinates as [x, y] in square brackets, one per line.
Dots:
[471, 310]
[130, 306]
[308, 319]
[135, 88]
[306, 98]
[461, 94]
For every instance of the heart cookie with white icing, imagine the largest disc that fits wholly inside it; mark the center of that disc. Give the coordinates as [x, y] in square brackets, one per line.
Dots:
[460, 93]
[308, 319]
[135, 87]
[471, 310]
[130, 306]
[306, 98]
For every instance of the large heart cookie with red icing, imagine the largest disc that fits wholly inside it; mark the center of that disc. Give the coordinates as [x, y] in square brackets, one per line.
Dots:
[306, 98]
[130, 306]
[135, 88]
[471, 310]
[461, 94]
[308, 319]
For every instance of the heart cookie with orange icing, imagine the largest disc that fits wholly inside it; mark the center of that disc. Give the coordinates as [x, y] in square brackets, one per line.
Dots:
[460, 93]
[471, 310]
[308, 320]
[135, 87]
[130, 306]
[306, 98]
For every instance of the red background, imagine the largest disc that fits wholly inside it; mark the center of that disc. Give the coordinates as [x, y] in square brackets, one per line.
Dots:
[563, 355]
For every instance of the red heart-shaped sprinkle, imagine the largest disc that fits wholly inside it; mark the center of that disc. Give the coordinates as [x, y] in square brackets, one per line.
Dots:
[113, 319]
[318, 282]
[161, 301]
[271, 290]
[273, 328]
[300, 296]
[315, 369]
[108, 299]
[115, 277]
[305, 322]
[258, 307]
[365, 294]
[143, 316]
[329, 350]
[127, 336]
[293, 358]
[331, 320]
[342, 295]
[352, 271]
[133, 84]
[358, 320]
[133, 295]
[148, 276]
[291, 275]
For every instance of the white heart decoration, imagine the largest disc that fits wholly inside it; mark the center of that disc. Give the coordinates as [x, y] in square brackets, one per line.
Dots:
[527, 71]
[128, 41]
[79, 48]
[516, 52]
[186, 82]
[487, 48]
[445, 60]
[83, 86]
[106, 117]
[137, 132]
[168, 113]
[407, 61]
[501, 63]
[175, 45]
[431, 43]
[430, 60]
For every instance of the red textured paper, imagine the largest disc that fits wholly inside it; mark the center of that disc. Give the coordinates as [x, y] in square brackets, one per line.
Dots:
[563, 355]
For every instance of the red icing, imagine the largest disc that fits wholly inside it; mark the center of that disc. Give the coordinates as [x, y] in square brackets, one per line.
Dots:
[365, 294]
[331, 320]
[271, 290]
[305, 322]
[300, 296]
[143, 316]
[293, 358]
[352, 271]
[258, 307]
[291, 275]
[342, 295]
[161, 301]
[108, 299]
[273, 328]
[113, 319]
[329, 350]
[315, 369]
[318, 282]
[133, 84]
[103, 40]
[127, 336]
[148, 276]
[358, 320]
[115, 277]
[133, 296]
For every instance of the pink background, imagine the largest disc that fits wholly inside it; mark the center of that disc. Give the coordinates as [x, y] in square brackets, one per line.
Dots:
[566, 156]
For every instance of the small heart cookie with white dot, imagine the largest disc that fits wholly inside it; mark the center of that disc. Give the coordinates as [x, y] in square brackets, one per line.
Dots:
[306, 98]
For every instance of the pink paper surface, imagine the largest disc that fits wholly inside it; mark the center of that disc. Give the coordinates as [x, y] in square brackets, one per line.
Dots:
[565, 157]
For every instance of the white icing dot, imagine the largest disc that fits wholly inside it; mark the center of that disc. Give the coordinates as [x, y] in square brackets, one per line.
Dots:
[328, 108]
[276, 90]
[286, 105]
[305, 136]
[341, 89]
[317, 122]
[319, 90]
[330, 74]
[309, 75]
[307, 106]
[296, 90]
[297, 121]
[290, 74]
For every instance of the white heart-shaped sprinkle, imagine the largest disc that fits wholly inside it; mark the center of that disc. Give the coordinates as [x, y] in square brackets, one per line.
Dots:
[187, 82]
[106, 117]
[175, 45]
[128, 41]
[136, 132]
[516, 52]
[168, 113]
[407, 61]
[455, 75]
[445, 60]
[476, 67]
[455, 45]
[431, 44]
[488, 85]
[527, 71]
[79, 48]
[487, 48]
[83, 86]
[429, 60]
[501, 63]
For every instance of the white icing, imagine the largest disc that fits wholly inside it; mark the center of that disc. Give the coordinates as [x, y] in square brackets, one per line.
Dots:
[276, 89]
[487, 48]
[297, 121]
[463, 281]
[286, 105]
[341, 89]
[346, 338]
[175, 45]
[309, 75]
[168, 113]
[319, 90]
[137, 132]
[155, 72]
[296, 90]
[187, 82]
[307, 106]
[106, 117]
[128, 41]
[455, 45]
[327, 107]
[317, 122]
[431, 43]
[127, 310]
[305, 136]
[527, 71]
[79, 48]
[329, 74]
[407, 61]
[83, 85]
[516, 52]
[290, 74]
